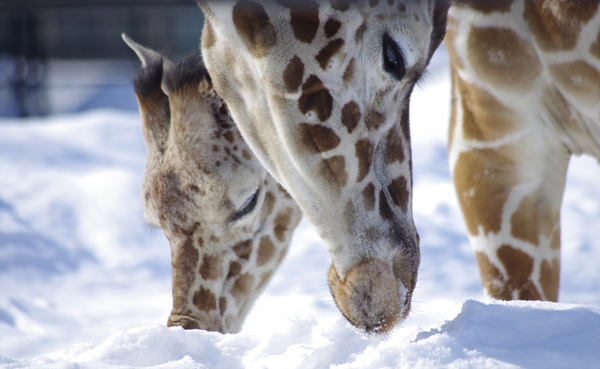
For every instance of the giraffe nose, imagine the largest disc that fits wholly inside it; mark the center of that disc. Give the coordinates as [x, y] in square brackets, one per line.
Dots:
[368, 296]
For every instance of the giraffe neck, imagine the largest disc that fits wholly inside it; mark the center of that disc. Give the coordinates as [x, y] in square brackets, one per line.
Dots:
[525, 78]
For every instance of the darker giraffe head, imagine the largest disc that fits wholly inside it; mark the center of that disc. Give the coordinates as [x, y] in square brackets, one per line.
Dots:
[228, 222]
[320, 90]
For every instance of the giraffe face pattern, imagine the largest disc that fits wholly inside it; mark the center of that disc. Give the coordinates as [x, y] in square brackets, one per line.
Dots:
[228, 222]
[320, 91]
[525, 97]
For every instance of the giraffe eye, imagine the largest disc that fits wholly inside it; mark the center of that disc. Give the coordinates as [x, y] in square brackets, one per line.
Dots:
[393, 62]
[248, 206]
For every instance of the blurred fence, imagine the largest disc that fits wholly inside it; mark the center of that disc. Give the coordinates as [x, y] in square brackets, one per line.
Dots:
[40, 40]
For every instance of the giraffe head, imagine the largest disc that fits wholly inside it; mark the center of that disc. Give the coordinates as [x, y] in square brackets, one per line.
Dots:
[320, 91]
[227, 220]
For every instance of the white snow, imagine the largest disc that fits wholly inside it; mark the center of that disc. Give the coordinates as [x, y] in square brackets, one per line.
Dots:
[85, 283]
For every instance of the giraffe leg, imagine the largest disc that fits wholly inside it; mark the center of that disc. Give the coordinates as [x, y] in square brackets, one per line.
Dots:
[509, 172]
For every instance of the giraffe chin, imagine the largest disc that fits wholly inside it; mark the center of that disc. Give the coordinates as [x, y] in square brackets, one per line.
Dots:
[370, 296]
[189, 322]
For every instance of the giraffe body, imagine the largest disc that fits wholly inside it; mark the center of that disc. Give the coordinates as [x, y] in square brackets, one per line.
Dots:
[525, 97]
[320, 91]
[228, 221]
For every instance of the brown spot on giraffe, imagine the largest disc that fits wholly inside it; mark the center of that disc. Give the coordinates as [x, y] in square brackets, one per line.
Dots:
[566, 16]
[326, 53]
[229, 137]
[331, 27]
[481, 178]
[364, 154]
[316, 138]
[185, 257]
[491, 277]
[373, 3]
[533, 219]
[246, 154]
[498, 54]
[486, 7]
[264, 279]
[405, 125]
[385, 210]
[242, 286]
[316, 98]
[243, 249]
[253, 26]
[350, 115]
[293, 74]
[333, 171]
[394, 151]
[210, 269]
[368, 195]
[579, 79]
[484, 117]
[266, 250]
[348, 76]
[360, 31]
[374, 120]
[222, 305]
[205, 300]
[550, 278]
[399, 193]
[282, 224]
[402, 7]
[235, 269]
[304, 19]
[267, 208]
[519, 267]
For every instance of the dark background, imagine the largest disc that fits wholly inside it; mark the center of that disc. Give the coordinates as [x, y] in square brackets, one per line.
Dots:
[40, 40]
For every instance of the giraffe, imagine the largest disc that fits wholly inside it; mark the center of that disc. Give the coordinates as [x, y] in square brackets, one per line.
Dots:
[228, 221]
[525, 97]
[320, 91]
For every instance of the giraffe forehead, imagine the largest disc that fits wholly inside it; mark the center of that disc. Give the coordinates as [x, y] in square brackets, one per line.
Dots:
[312, 29]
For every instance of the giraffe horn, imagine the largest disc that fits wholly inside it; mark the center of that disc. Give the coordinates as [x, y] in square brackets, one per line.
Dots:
[147, 57]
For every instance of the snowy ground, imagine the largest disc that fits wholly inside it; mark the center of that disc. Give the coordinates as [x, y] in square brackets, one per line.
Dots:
[84, 283]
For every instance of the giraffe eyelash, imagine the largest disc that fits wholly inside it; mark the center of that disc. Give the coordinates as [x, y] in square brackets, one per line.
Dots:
[247, 208]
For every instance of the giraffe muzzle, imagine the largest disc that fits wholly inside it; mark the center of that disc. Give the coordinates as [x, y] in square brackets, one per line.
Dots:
[370, 296]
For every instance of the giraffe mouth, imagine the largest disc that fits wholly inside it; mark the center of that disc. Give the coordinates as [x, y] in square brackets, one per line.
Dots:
[370, 296]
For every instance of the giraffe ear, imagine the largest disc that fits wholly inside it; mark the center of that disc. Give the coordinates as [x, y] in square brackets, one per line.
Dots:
[148, 57]
[440, 13]
[154, 107]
